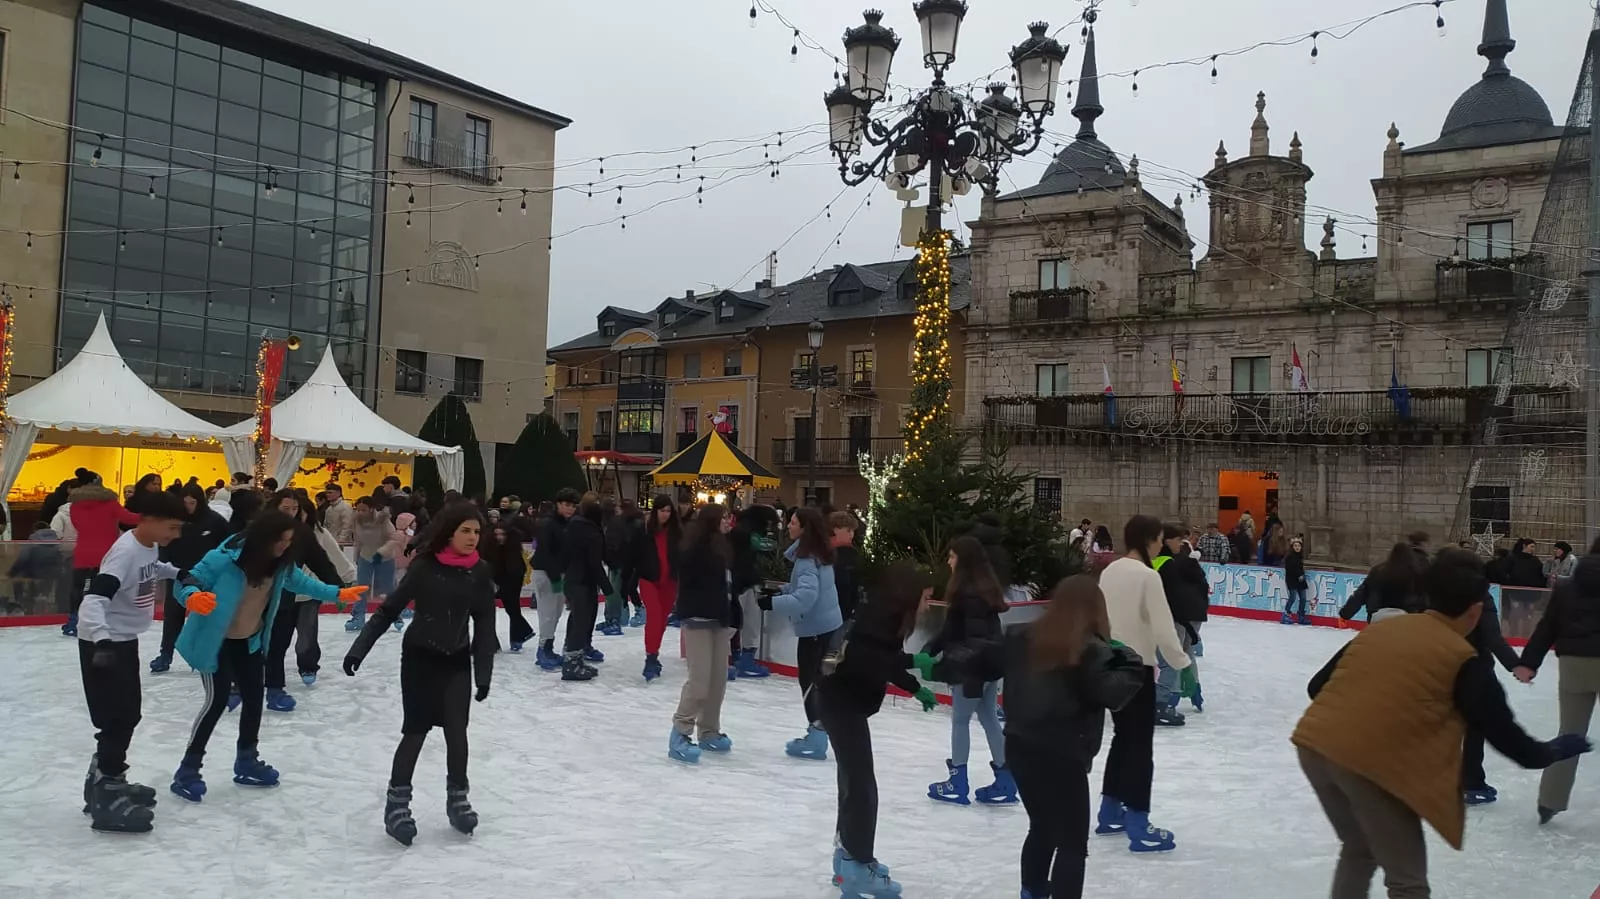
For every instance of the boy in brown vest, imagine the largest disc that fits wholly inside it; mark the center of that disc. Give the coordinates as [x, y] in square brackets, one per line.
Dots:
[1381, 742]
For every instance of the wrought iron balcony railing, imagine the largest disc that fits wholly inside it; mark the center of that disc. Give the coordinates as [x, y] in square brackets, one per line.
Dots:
[451, 157]
[833, 452]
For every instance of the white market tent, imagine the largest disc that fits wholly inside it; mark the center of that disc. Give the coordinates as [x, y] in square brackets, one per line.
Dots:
[326, 415]
[93, 397]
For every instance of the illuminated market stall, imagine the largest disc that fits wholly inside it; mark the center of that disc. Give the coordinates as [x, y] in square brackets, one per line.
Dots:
[711, 468]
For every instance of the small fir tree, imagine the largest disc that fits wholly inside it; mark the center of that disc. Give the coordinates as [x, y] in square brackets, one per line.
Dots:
[540, 463]
[450, 424]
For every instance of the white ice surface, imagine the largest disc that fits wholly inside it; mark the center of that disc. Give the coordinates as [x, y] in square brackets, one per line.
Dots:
[578, 797]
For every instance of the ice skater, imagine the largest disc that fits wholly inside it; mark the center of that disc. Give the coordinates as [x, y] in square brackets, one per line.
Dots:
[1294, 579]
[297, 615]
[1189, 599]
[656, 562]
[549, 565]
[967, 642]
[706, 612]
[203, 531]
[582, 584]
[873, 656]
[118, 606]
[503, 552]
[1140, 619]
[1062, 676]
[1381, 742]
[810, 601]
[231, 597]
[440, 658]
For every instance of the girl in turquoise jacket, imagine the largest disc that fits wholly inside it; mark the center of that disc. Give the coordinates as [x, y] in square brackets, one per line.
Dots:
[230, 597]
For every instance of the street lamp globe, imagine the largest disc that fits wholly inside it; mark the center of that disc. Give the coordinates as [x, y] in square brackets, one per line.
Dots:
[846, 117]
[868, 51]
[998, 115]
[814, 334]
[941, 25]
[1038, 63]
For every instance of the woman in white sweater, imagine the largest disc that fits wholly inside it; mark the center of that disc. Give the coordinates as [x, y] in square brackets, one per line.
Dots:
[1136, 605]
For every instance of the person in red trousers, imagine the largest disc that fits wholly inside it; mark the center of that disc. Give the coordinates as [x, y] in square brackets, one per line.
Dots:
[657, 564]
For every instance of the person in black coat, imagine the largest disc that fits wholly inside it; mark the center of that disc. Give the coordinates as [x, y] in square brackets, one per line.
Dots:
[1062, 676]
[1189, 599]
[750, 538]
[871, 658]
[706, 613]
[1491, 645]
[623, 533]
[203, 531]
[1523, 568]
[503, 552]
[583, 548]
[974, 601]
[1570, 626]
[440, 659]
[549, 565]
[1294, 579]
[1392, 587]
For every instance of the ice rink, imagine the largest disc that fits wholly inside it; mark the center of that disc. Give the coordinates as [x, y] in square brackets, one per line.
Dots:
[578, 797]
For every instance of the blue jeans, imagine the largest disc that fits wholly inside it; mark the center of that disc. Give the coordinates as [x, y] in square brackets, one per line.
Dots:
[1167, 679]
[1297, 600]
[985, 706]
[378, 577]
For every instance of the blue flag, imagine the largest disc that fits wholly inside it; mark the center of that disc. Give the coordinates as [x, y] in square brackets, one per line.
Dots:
[1398, 393]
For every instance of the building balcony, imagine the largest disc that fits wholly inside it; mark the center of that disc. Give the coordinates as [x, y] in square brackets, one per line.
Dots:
[686, 439]
[639, 444]
[600, 442]
[645, 390]
[1488, 280]
[1050, 309]
[833, 452]
[451, 157]
[1327, 417]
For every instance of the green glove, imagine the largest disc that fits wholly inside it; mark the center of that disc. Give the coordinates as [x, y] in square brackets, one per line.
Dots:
[924, 665]
[926, 697]
[558, 586]
[1188, 681]
[1114, 644]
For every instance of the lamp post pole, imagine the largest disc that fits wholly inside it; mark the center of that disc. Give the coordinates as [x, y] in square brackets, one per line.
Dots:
[814, 377]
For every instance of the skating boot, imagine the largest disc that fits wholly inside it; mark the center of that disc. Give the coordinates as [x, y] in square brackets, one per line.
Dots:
[1285, 618]
[70, 629]
[161, 664]
[682, 749]
[456, 806]
[397, 820]
[1305, 619]
[1002, 792]
[308, 678]
[839, 858]
[139, 793]
[187, 782]
[638, 618]
[573, 668]
[865, 881]
[1545, 814]
[1479, 797]
[672, 619]
[1112, 818]
[716, 743]
[593, 655]
[234, 699]
[112, 808]
[954, 788]
[749, 667]
[733, 672]
[611, 629]
[652, 667]
[1144, 838]
[516, 646]
[279, 700]
[250, 771]
[813, 746]
[1167, 714]
[546, 658]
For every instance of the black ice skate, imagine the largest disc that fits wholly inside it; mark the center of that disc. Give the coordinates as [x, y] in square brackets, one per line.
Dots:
[139, 793]
[462, 817]
[112, 808]
[397, 820]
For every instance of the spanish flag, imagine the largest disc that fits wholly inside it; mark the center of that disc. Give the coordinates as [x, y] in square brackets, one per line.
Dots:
[1177, 385]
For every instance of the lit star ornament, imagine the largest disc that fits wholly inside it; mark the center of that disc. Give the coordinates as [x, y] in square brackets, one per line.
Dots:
[1566, 372]
[1485, 541]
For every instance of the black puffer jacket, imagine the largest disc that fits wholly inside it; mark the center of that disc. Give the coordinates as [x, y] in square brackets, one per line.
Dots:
[847, 579]
[874, 656]
[203, 532]
[549, 548]
[968, 645]
[583, 548]
[1064, 710]
[1523, 570]
[446, 599]
[647, 560]
[1379, 591]
[703, 586]
[1571, 622]
[1188, 591]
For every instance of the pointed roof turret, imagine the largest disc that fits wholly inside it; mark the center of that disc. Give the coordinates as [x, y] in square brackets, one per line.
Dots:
[1500, 108]
[1259, 145]
[1088, 107]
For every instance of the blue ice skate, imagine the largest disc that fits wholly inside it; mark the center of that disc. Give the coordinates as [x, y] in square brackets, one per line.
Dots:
[546, 658]
[593, 655]
[161, 664]
[187, 782]
[682, 749]
[234, 699]
[308, 677]
[1113, 817]
[716, 743]
[652, 667]
[70, 629]
[733, 672]
[1002, 792]
[952, 789]
[813, 746]
[1144, 838]
[280, 700]
[638, 618]
[672, 619]
[250, 771]
[868, 880]
[516, 646]
[749, 667]
[611, 629]
[839, 858]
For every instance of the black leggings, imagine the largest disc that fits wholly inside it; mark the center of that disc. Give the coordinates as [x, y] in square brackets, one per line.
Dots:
[582, 607]
[172, 615]
[857, 822]
[237, 667]
[1055, 793]
[511, 599]
[808, 654]
[455, 757]
[1130, 763]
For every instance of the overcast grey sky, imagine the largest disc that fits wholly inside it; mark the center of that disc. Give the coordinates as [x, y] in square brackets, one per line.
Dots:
[645, 75]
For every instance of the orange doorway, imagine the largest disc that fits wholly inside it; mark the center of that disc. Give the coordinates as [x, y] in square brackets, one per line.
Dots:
[1245, 491]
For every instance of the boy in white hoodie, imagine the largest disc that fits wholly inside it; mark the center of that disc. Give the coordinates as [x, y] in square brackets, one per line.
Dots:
[1136, 605]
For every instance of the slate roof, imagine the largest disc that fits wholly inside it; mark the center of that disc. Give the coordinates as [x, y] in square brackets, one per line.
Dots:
[345, 51]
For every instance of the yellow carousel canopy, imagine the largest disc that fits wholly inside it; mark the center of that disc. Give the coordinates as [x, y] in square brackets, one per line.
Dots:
[713, 456]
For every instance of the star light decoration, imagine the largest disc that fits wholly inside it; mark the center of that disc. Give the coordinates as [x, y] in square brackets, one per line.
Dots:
[1484, 542]
[877, 476]
[1565, 372]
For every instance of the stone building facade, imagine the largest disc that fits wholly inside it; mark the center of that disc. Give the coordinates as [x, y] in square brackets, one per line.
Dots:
[1349, 395]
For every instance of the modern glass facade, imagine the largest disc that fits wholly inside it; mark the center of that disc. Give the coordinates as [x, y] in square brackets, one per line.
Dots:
[217, 193]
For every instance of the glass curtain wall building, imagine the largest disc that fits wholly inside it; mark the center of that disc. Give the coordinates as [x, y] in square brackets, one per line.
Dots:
[217, 193]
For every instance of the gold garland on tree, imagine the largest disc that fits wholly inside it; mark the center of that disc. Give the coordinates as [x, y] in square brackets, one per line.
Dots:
[930, 359]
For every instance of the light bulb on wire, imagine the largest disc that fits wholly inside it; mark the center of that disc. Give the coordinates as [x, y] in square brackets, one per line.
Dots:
[752, 15]
[1314, 36]
[1438, 22]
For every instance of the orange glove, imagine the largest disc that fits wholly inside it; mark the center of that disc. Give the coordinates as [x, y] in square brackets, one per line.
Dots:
[349, 595]
[201, 603]
[1341, 624]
